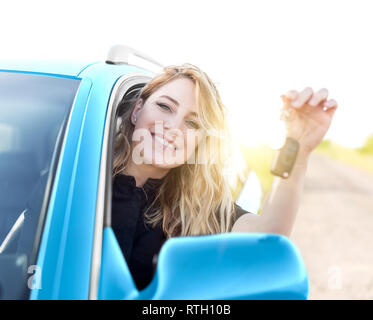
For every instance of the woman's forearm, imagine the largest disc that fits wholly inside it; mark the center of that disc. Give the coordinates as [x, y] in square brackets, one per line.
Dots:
[280, 209]
[281, 206]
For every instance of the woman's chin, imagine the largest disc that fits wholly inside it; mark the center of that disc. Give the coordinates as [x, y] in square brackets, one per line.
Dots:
[163, 161]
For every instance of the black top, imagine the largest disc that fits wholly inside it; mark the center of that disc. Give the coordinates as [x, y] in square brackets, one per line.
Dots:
[140, 243]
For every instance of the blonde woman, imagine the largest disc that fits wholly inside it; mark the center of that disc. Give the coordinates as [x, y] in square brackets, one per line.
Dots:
[169, 163]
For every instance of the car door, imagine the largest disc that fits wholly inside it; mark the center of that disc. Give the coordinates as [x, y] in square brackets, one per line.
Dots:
[67, 254]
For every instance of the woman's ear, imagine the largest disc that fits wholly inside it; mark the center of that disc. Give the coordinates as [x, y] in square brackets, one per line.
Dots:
[133, 117]
[135, 112]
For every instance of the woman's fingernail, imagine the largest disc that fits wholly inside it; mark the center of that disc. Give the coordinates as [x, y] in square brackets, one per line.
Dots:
[296, 103]
[292, 95]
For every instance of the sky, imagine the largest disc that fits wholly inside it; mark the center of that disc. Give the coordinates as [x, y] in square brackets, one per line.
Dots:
[253, 50]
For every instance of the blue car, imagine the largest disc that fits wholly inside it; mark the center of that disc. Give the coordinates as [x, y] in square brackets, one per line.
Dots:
[57, 127]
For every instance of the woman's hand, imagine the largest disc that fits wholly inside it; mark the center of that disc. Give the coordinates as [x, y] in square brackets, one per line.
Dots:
[308, 117]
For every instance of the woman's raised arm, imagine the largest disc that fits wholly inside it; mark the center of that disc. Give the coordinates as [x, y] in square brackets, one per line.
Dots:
[309, 118]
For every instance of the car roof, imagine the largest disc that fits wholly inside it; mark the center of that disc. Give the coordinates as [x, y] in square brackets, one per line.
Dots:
[60, 67]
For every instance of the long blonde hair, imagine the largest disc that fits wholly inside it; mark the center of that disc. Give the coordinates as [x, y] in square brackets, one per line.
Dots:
[194, 198]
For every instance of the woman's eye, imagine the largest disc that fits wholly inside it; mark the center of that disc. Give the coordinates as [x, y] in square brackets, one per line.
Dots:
[193, 124]
[163, 106]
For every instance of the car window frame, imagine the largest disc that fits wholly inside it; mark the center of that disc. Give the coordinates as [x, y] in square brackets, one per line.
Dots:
[122, 86]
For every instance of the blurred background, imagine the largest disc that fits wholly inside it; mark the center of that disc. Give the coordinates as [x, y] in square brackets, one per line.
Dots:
[254, 51]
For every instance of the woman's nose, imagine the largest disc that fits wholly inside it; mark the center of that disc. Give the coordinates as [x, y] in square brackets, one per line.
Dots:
[167, 124]
[174, 123]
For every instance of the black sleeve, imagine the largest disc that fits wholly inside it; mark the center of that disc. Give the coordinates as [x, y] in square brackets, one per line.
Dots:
[238, 212]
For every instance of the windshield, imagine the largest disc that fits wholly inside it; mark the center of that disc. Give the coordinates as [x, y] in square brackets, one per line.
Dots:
[33, 113]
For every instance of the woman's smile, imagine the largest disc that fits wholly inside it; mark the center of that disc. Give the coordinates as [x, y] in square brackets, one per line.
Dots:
[163, 142]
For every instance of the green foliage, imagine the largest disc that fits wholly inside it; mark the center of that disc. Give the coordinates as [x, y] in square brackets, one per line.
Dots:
[354, 157]
[259, 160]
[325, 144]
[368, 146]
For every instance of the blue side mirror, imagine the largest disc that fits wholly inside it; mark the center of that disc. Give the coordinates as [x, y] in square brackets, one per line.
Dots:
[222, 266]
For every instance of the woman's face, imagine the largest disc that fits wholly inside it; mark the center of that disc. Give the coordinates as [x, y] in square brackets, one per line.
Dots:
[167, 130]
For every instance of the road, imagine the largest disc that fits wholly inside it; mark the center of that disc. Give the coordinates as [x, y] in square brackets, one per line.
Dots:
[334, 230]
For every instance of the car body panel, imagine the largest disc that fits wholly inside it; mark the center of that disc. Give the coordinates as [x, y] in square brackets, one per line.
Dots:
[53, 254]
[57, 68]
[116, 282]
